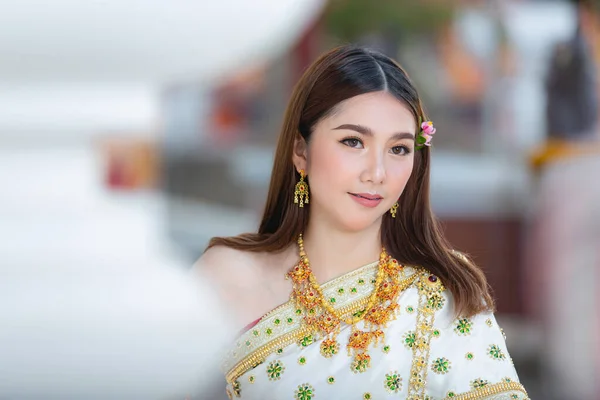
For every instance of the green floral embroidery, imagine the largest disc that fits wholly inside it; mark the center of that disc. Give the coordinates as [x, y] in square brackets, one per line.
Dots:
[359, 313]
[367, 396]
[463, 327]
[469, 356]
[341, 290]
[361, 281]
[290, 320]
[393, 382]
[410, 309]
[361, 365]
[331, 380]
[307, 341]
[514, 396]
[305, 392]
[255, 332]
[248, 343]
[386, 349]
[436, 301]
[496, 353]
[450, 394]
[274, 370]
[329, 348]
[332, 300]
[279, 351]
[277, 321]
[441, 366]
[269, 331]
[409, 339]
[507, 379]
[436, 333]
[302, 360]
[298, 311]
[353, 290]
[251, 379]
[478, 383]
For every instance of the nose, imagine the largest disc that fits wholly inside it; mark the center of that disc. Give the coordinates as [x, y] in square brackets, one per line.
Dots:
[374, 170]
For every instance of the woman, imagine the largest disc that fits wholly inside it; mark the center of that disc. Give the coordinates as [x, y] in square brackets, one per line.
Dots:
[357, 294]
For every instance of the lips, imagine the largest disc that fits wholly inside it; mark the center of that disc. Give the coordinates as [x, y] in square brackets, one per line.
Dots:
[367, 196]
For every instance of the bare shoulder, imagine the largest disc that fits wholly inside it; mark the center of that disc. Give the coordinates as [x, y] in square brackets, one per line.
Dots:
[251, 283]
[226, 267]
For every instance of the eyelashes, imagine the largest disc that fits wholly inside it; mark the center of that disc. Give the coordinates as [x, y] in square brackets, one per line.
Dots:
[400, 150]
[353, 142]
[357, 143]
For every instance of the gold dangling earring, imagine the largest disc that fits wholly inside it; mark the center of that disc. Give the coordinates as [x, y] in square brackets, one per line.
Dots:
[301, 191]
[394, 210]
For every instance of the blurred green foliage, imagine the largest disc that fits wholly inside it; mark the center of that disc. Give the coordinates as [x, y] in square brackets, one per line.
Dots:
[351, 19]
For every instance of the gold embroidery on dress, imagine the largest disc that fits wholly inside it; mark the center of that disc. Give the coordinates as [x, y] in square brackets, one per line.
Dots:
[430, 293]
[486, 390]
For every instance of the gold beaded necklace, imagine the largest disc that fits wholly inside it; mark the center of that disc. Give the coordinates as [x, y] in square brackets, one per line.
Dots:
[324, 320]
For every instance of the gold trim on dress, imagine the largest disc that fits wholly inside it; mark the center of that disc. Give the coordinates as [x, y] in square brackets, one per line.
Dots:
[430, 300]
[509, 388]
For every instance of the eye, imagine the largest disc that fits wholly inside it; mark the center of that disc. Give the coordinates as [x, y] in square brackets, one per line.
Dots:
[400, 150]
[352, 142]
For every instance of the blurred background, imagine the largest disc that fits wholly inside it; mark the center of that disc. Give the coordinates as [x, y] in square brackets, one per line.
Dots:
[132, 132]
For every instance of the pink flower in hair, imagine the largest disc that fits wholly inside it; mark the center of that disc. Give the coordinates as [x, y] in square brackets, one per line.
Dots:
[427, 127]
[427, 130]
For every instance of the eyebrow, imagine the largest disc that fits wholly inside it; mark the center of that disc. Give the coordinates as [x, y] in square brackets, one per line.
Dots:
[368, 132]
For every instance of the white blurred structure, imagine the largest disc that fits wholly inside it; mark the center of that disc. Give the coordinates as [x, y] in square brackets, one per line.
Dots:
[93, 302]
[85, 62]
[143, 41]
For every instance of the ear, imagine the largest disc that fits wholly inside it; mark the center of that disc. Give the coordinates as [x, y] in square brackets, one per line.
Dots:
[300, 153]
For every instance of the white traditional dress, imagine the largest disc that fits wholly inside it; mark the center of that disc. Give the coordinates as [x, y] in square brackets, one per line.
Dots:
[425, 353]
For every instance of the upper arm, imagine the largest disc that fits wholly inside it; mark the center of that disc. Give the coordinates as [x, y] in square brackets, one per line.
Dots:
[468, 353]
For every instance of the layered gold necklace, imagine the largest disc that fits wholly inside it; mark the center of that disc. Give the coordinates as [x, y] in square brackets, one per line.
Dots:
[325, 321]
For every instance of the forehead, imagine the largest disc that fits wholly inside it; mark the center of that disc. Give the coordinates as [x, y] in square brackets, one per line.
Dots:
[379, 111]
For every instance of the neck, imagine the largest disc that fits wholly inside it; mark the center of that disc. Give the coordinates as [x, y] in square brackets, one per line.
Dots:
[333, 253]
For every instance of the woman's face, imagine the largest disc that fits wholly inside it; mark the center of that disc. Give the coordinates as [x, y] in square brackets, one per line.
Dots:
[358, 160]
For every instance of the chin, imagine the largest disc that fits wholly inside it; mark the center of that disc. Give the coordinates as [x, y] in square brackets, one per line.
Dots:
[358, 224]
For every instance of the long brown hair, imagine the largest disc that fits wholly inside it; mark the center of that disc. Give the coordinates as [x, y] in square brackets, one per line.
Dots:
[414, 237]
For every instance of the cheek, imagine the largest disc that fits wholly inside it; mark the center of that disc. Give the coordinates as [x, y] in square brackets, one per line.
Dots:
[330, 164]
[399, 173]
